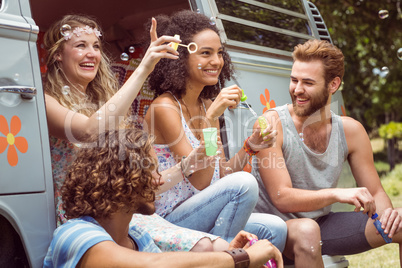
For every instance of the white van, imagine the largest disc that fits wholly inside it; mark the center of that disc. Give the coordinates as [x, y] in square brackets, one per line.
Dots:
[259, 35]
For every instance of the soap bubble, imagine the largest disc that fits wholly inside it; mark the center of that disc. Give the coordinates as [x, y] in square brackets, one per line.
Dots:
[124, 56]
[169, 178]
[98, 115]
[383, 14]
[399, 53]
[198, 11]
[279, 193]
[321, 243]
[65, 90]
[219, 221]
[312, 248]
[16, 77]
[65, 30]
[376, 71]
[131, 49]
[384, 71]
[112, 107]
[212, 21]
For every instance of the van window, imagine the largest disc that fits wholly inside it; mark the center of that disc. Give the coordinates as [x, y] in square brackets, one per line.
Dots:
[254, 24]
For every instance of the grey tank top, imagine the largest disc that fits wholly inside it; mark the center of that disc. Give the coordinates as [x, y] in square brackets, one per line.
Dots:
[308, 170]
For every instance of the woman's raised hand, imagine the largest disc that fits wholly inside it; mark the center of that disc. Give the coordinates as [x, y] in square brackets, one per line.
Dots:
[158, 49]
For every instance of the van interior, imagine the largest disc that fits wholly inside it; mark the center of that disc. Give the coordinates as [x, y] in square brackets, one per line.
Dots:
[122, 22]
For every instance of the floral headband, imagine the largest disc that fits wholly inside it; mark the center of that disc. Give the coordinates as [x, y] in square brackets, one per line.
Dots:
[65, 30]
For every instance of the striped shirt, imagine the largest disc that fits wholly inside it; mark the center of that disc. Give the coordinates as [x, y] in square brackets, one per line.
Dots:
[72, 239]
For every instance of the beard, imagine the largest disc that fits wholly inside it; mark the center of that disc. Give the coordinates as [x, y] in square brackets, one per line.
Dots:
[316, 103]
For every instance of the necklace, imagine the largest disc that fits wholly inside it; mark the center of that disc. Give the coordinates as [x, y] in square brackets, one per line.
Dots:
[197, 134]
[301, 134]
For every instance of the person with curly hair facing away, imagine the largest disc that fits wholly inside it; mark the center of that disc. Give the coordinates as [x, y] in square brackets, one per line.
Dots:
[218, 199]
[109, 181]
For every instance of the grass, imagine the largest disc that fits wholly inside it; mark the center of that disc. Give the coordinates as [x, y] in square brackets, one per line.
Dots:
[388, 255]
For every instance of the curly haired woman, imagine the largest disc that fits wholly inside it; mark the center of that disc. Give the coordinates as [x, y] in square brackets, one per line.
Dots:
[210, 200]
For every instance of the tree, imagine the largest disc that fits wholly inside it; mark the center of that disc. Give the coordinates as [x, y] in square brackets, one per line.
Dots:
[369, 43]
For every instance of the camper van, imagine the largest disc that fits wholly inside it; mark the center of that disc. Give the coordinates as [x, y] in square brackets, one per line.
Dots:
[259, 35]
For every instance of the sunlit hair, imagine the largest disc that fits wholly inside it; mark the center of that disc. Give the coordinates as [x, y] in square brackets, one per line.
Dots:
[171, 75]
[112, 176]
[99, 90]
[331, 57]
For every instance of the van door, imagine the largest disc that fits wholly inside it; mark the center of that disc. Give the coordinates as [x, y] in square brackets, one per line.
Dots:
[21, 98]
[27, 215]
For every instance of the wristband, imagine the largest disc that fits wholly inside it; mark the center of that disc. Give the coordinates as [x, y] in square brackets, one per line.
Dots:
[248, 149]
[240, 257]
[182, 169]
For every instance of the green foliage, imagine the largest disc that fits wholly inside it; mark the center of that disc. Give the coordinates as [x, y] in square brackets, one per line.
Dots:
[381, 167]
[388, 255]
[392, 182]
[391, 130]
[368, 42]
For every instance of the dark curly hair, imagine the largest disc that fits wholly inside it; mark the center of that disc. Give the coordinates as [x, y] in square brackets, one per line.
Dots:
[170, 75]
[111, 175]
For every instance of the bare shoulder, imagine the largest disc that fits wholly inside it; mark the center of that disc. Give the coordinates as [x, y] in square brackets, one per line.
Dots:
[271, 115]
[49, 98]
[352, 126]
[54, 106]
[165, 98]
[273, 119]
[356, 136]
[163, 105]
[163, 113]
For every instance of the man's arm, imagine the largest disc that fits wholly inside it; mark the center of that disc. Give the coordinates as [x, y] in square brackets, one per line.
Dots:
[109, 254]
[287, 199]
[362, 165]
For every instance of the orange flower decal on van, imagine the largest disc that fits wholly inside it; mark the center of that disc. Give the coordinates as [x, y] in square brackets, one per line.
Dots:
[266, 102]
[10, 140]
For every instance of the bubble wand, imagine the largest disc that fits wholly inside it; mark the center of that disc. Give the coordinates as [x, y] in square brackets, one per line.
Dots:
[262, 121]
[271, 263]
[192, 47]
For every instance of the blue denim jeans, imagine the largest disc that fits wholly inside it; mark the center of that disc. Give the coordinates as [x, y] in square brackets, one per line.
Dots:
[224, 209]
[268, 226]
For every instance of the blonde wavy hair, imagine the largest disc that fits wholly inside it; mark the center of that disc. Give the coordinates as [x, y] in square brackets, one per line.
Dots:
[111, 176]
[100, 90]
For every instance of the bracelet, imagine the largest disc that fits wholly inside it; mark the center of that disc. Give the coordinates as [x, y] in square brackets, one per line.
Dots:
[240, 257]
[248, 149]
[182, 169]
